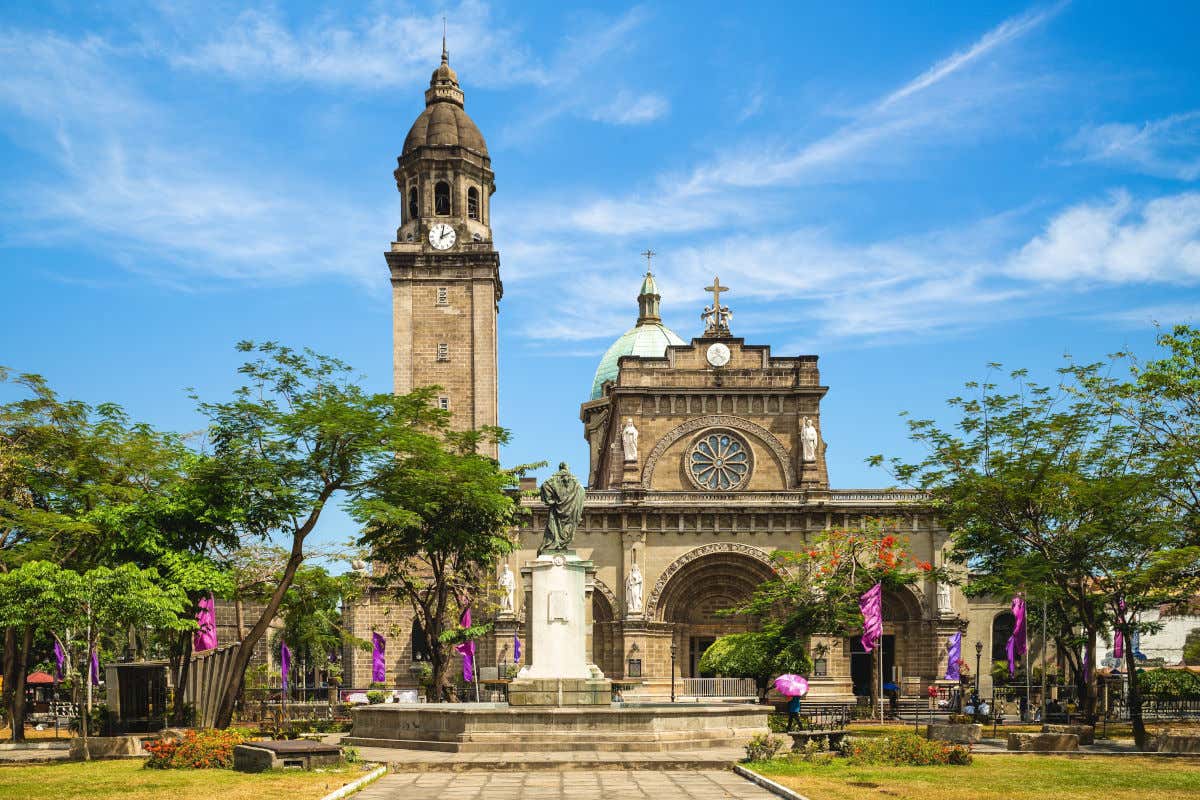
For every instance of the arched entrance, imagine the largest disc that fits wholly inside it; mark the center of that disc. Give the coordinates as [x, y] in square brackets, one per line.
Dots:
[694, 593]
[902, 645]
[606, 635]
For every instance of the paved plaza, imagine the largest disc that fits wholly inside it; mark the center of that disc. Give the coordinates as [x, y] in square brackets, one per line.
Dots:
[573, 784]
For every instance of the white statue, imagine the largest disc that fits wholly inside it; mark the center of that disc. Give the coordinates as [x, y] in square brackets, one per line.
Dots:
[358, 566]
[629, 439]
[508, 585]
[808, 440]
[943, 598]
[633, 590]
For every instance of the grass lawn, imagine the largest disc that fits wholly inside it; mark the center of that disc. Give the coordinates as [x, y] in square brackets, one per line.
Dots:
[128, 780]
[997, 777]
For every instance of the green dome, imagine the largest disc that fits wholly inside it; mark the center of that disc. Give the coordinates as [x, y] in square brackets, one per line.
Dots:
[646, 339]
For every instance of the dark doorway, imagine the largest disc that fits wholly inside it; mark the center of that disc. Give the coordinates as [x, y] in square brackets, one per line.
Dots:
[696, 648]
[860, 663]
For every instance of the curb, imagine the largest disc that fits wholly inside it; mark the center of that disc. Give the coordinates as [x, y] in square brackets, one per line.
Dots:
[768, 784]
[361, 783]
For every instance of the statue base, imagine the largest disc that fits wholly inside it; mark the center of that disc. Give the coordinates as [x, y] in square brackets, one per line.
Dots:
[557, 600]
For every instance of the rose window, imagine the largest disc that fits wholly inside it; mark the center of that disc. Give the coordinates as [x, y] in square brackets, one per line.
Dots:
[719, 461]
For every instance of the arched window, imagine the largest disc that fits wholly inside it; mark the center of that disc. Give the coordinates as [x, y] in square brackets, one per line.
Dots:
[419, 642]
[1002, 627]
[441, 199]
[414, 208]
[473, 203]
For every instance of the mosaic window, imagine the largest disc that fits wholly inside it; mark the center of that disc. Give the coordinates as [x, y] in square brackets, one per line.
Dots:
[719, 462]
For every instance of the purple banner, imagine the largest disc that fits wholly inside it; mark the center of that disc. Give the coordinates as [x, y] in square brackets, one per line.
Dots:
[1016, 642]
[953, 657]
[95, 668]
[467, 650]
[285, 663]
[1118, 638]
[206, 634]
[516, 649]
[871, 606]
[378, 659]
[60, 658]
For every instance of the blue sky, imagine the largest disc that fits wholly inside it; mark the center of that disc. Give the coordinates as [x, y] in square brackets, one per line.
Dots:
[908, 192]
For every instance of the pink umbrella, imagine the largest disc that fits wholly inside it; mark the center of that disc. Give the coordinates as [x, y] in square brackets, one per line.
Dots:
[791, 685]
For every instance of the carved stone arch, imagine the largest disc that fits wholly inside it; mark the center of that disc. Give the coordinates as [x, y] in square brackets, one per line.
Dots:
[776, 448]
[735, 548]
[609, 597]
[910, 596]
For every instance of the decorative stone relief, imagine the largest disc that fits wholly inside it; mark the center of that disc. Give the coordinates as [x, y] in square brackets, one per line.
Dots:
[721, 421]
[699, 552]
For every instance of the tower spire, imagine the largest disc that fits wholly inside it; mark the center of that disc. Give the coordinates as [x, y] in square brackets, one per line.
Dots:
[445, 52]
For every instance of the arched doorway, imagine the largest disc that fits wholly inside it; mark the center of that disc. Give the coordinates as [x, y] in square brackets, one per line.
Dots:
[1003, 625]
[901, 645]
[606, 636]
[697, 591]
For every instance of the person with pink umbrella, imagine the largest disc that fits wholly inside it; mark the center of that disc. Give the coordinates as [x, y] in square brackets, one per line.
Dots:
[793, 687]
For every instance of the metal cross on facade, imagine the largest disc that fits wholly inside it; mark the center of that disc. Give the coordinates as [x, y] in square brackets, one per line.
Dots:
[716, 290]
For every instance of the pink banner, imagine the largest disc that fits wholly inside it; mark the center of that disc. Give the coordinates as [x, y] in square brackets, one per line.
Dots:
[206, 618]
[1016, 642]
[467, 650]
[871, 606]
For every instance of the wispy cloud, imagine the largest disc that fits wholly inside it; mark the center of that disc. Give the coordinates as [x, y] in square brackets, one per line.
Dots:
[629, 108]
[1165, 148]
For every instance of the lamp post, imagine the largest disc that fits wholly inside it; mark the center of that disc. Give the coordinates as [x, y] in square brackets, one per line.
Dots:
[672, 670]
[978, 657]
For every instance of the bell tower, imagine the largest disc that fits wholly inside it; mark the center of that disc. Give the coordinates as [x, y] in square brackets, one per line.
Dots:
[444, 268]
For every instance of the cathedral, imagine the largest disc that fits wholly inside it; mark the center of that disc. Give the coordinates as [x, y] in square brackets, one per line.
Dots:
[706, 456]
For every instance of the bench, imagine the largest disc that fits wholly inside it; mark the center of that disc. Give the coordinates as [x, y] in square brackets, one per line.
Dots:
[832, 738]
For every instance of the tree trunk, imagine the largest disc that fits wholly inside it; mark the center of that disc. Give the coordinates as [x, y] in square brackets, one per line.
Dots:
[9, 672]
[1135, 696]
[245, 649]
[18, 671]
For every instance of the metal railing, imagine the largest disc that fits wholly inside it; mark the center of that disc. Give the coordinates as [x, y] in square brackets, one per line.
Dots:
[724, 688]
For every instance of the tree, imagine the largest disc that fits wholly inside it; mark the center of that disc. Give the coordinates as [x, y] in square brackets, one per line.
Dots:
[1047, 492]
[311, 616]
[300, 431]
[819, 592]
[439, 519]
[760, 655]
[82, 610]
[1191, 648]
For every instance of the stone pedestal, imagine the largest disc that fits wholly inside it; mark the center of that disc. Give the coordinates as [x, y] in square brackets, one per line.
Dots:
[557, 671]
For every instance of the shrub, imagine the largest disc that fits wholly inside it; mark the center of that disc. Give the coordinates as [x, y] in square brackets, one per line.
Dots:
[351, 754]
[907, 750]
[1169, 682]
[375, 697]
[763, 747]
[204, 749]
[961, 719]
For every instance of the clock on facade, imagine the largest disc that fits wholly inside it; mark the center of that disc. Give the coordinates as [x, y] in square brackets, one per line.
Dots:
[718, 354]
[442, 236]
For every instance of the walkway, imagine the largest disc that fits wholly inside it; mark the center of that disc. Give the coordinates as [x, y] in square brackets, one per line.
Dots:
[571, 784]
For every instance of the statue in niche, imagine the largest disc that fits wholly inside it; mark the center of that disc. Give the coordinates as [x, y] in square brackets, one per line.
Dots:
[508, 585]
[563, 496]
[633, 590]
[943, 598]
[808, 440]
[629, 440]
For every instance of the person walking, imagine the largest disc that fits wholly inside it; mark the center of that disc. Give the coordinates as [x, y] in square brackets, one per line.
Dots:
[793, 709]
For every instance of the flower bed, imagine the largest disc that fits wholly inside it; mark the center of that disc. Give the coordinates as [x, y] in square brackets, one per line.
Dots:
[205, 749]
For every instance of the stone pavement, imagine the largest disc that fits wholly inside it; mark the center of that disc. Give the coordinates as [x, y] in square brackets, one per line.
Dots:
[565, 785]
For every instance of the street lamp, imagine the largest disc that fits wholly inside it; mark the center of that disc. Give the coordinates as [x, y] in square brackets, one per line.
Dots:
[672, 670]
[978, 656]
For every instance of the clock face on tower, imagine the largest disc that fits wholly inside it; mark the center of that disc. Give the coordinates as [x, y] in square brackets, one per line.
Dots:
[718, 354]
[442, 236]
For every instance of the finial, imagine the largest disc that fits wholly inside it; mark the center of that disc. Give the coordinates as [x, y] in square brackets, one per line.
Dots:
[716, 317]
[648, 254]
[445, 52]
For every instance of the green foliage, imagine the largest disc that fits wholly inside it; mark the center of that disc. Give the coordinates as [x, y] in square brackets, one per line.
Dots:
[197, 749]
[1191, 648]
[1177, 683]
[311, 614]
[760, 655]
[374, 697]
[763, 747]
[351, 754]
[907, 750]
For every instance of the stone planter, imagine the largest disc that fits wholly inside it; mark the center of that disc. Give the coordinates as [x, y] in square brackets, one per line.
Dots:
[1086, 733]
[1178, 743]
[1043, 742]
[108, 747]
[957, 733]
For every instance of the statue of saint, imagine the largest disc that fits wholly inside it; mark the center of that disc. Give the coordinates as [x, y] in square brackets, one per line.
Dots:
[508, 585]
[563, 495]
[629, 439]
[808, 440]
[943, 598]
[633, 590]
